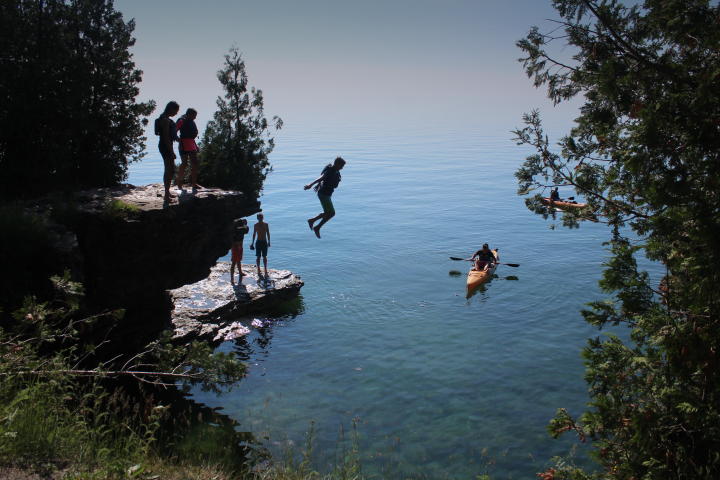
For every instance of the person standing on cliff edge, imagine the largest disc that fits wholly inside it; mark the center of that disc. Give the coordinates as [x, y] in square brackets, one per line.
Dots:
[188, 148]
[262, 231]
[327, 182]
[166, 129]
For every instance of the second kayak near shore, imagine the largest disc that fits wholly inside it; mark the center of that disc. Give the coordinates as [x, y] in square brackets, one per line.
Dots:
[562, 204]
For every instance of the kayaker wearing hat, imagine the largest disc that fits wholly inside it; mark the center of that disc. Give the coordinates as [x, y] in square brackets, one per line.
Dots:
[484, 255]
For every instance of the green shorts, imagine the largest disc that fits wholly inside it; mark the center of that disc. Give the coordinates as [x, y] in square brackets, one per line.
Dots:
[261, 248]
[326, 203]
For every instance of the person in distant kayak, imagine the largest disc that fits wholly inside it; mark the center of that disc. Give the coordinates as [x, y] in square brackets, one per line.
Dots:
[262, 231]
[188, 148]
[326, 185]
[554, 195]
[484, 255]
[166, 129]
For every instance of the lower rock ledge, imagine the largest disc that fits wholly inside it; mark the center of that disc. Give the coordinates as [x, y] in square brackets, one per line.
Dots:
[205, 310]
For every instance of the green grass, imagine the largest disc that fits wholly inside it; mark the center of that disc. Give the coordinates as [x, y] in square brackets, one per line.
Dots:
[59, 424]
[54, 422]
[115, 209]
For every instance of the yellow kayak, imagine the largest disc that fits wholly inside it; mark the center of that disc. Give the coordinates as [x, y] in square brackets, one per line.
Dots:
[562, 204]
[476, 278]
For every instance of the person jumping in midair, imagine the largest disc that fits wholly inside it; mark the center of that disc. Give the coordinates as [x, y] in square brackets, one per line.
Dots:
[326, 184]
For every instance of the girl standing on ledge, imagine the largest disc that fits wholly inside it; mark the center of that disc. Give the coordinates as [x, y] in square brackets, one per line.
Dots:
[167, 130]
[188, 148]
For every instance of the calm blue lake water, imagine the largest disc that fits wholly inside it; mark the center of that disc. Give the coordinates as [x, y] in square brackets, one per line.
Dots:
[386, 333]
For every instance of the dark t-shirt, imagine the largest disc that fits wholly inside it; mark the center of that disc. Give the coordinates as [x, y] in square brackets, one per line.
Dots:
[483, 257]
[331, 182]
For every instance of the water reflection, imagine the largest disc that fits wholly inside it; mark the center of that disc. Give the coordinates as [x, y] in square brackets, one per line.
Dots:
[193, 432]
[482, 288]
[256, 343]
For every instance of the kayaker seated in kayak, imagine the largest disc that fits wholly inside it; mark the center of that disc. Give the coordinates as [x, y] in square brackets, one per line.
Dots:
[481, 266]
[554, 195]
[485, 258]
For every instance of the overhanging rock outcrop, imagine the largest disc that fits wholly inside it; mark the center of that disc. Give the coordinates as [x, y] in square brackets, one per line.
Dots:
[131, 260]
[131, 257]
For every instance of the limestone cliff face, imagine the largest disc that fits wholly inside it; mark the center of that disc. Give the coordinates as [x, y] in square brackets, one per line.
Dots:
[131, 260]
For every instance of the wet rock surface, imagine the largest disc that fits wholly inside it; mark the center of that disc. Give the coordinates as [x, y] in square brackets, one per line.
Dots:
[208, 309]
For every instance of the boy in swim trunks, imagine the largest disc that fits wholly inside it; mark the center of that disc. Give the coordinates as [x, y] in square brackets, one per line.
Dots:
[262, 231]
[239, 231]
[326, 185]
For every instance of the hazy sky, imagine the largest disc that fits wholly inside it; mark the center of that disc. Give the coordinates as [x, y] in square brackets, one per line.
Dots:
[296, 48]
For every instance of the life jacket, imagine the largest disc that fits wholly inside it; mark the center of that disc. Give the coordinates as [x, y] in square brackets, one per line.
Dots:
[331, 181]
[188, 129]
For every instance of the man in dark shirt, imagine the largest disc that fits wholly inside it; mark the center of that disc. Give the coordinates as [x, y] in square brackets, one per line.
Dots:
[484, 254]
[554, 195]
[326, 185]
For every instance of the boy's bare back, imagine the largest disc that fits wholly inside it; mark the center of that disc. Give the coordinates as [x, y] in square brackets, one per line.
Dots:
[261, 229]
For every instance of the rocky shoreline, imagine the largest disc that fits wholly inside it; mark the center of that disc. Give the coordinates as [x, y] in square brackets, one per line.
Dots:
[208, 309]
[154, 256]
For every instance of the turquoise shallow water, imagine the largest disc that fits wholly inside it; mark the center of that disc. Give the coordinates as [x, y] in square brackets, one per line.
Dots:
[386, 333]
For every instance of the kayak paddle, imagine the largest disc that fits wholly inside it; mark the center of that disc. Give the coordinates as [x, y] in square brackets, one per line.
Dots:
[514, 265]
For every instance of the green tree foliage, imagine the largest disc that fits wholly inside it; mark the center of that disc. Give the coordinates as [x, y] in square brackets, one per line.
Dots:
[645, 155]
[233, 152]
[68, 116]
[59, 405]
[47, 338]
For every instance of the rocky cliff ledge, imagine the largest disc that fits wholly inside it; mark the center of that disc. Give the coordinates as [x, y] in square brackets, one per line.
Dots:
[205, 309]
[130, 258]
